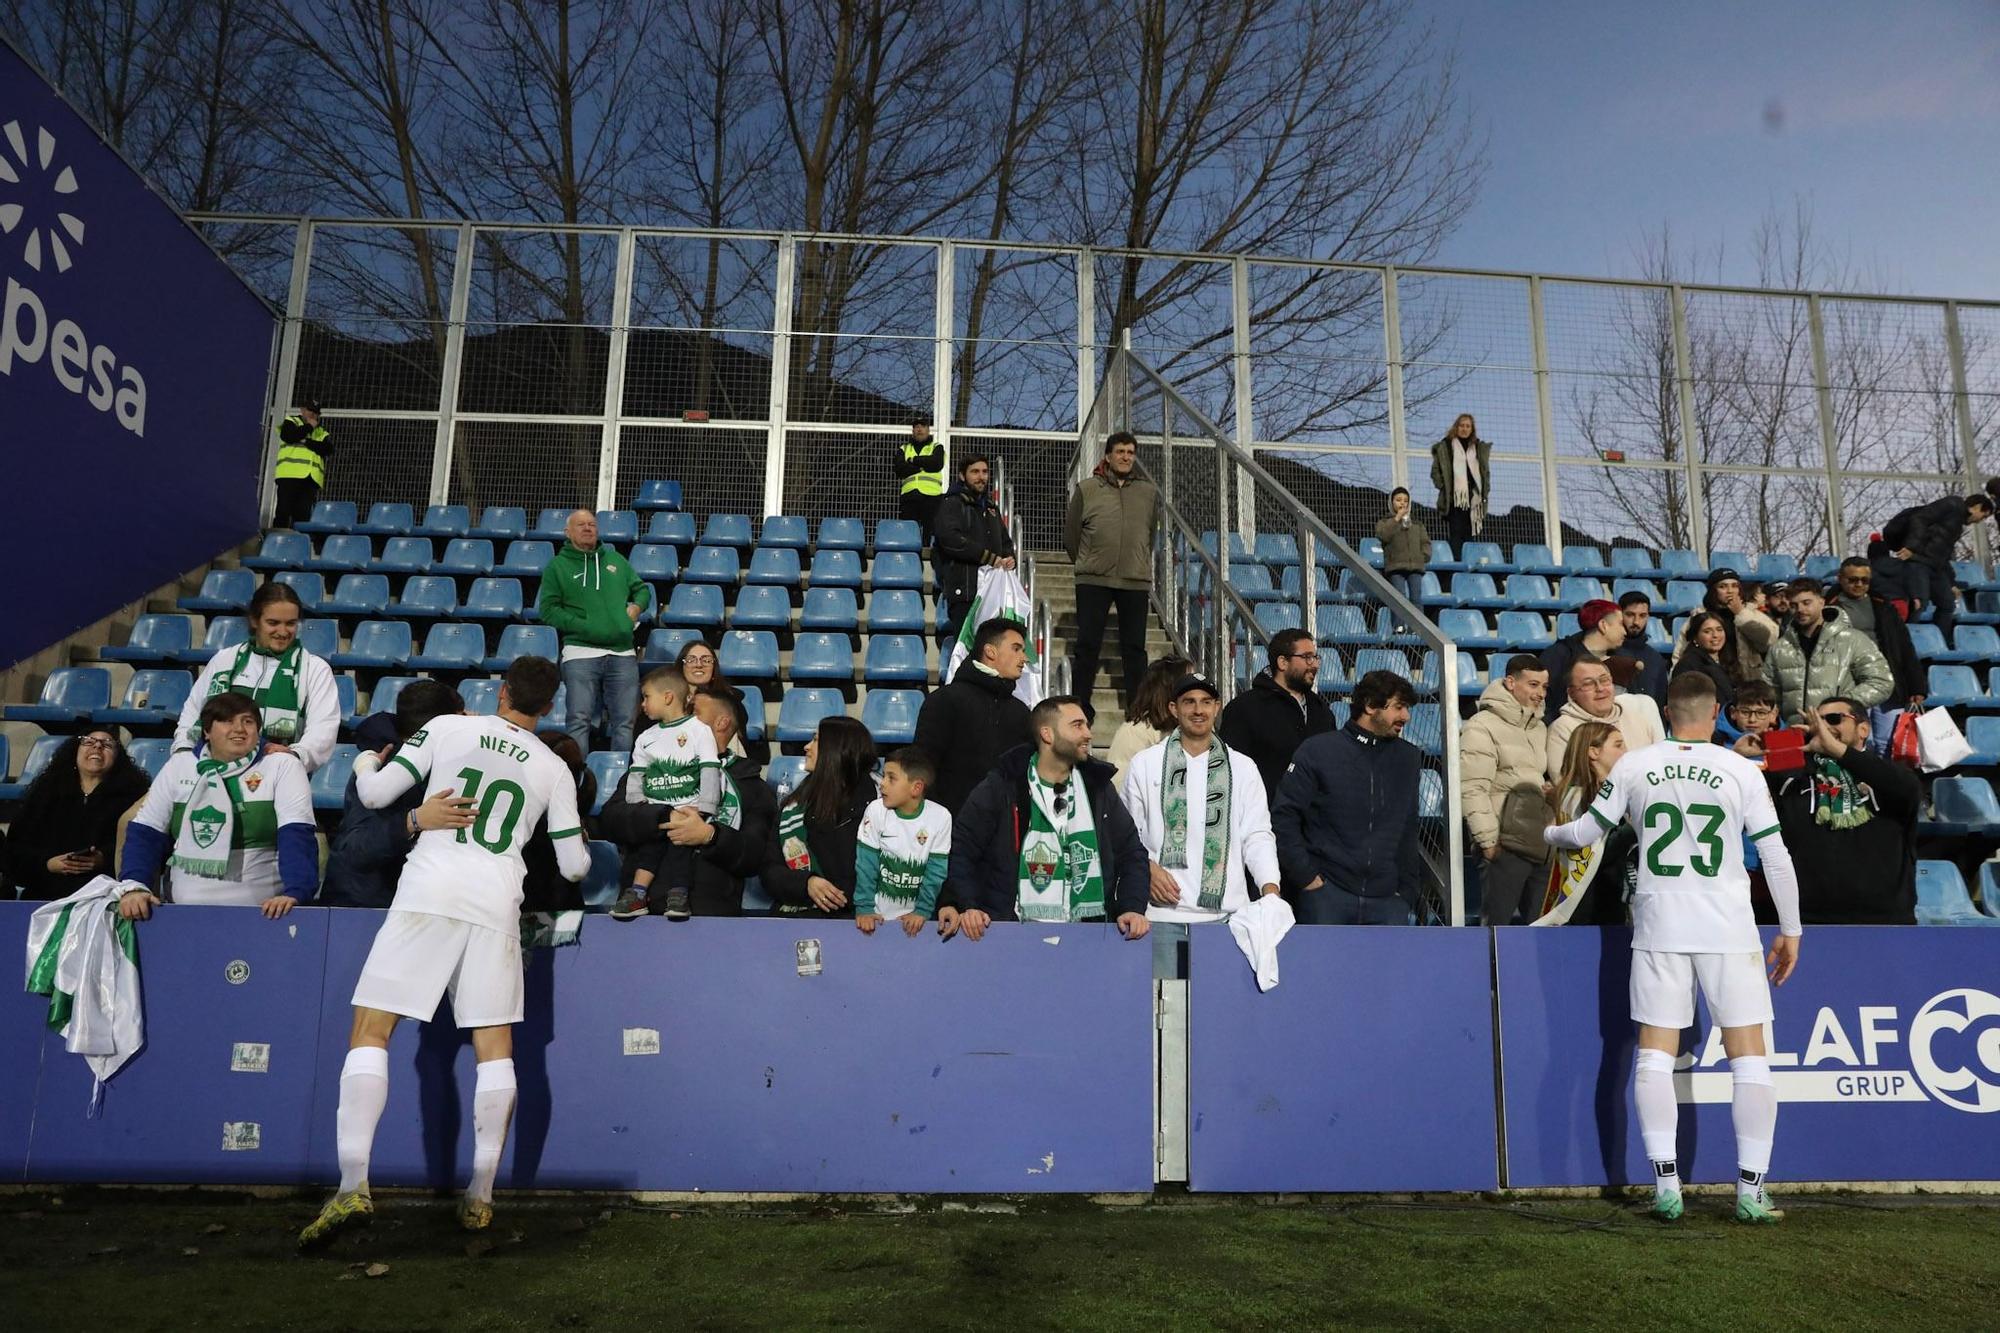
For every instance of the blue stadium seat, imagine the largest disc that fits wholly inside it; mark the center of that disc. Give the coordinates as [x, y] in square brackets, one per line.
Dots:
[663, 646]
[1467, 628]
[823, 657]
[1486, 556]
[1341, 622]
[599, 889]
[1989, 889]
[1586, 561]
[1277, 549]
[762, 607]
[753, 709]
[1942, 899]
[1523, 631]
[1472, 678]
[774, 565]
[343, 554]
[713, 564]
[656, 563]
[803, 708]
[731, 530]
[1966, 804]
[387, 519]
[1928, 642]
[1475, 589]
[480, 696]
[552, 525]
[897, 611]
[1291, 584]
[1253, 583]
[445, 521]
[1443, 558]
[1681, 598]
[1772, 567]
[785, 531]
[748, 654]
[1677, 563]
[784, 773]
[150, 753]
[451, 647]
[526, 559]
[1972, 574]
[524, 641]
[1426, 729]
[1825, 568]
[493, 599]
[1382, 659]
[1644, 587]
[222, 590]
[898, 534]
[1535, 558]
[1954, 684]
[896, 569]
[843, 534]
[1658, 638]
[1370, 550]
[311, 588]
[321, 638]
[377, 645]
[70, 694]
[830, 609]
[404, 555]
[1983, 735]
[658, 495]
[329, 780]
[153, 697]
[617, 527]
[358, 595]
[223, 632]
[382, 699]
[891, 715]
[1633, 562]
[693, 604]
[1273, 617]
[1576, 589]
[281, 550]
[154, 638]
[1429, 675]
[39, 754]
[1736, 560]
[1333, 677]
[835, 568]
[1568, 624]
[895, 659]
[467, 557]
[1531, 592]
[501, 523]
[1974, 643]
[331, 516]
[1433, 593]
[427, 595]
[608, 767]
[671, 529]
[345, 692]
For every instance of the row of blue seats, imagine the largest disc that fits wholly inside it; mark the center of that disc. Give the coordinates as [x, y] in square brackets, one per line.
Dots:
[1942, 899]
[1963, 805]
[619, 527]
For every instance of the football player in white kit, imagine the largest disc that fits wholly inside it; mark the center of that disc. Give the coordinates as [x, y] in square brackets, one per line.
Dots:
[455, 924]
[1692, 803]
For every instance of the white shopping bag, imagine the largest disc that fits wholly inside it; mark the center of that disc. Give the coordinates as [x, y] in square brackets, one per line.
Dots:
[1940, 743]
[1001, 593]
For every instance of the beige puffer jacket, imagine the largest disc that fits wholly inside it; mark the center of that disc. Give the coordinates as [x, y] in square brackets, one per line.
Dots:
[1503, 746]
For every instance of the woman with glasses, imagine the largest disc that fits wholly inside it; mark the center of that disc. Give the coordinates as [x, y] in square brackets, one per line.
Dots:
[67, 829]
[702, 668]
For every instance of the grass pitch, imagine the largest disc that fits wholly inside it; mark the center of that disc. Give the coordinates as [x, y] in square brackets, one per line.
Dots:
[131, 1261]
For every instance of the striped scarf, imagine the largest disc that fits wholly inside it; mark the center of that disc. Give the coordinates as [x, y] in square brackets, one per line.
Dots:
[1215, 818]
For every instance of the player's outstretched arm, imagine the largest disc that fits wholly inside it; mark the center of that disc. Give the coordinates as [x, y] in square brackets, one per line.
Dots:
[379, 784]
[1582, 831]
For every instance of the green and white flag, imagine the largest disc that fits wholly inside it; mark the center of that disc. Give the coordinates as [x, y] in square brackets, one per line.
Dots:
[1001, 593]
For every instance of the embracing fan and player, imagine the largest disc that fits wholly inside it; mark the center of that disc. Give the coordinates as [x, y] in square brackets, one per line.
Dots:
[455, 924]
[1692, 804]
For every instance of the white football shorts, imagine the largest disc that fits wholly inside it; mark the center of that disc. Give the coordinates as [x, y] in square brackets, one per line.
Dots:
[417, 958]
[1663, 987]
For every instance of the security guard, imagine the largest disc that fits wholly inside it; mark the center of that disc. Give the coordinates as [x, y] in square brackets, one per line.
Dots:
[920, 464]
[303, 444]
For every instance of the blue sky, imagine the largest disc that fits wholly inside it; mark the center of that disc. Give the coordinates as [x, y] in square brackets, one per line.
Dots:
[1606, 120]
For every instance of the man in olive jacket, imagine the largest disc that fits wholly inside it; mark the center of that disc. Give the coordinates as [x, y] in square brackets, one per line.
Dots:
[1109, 534]
[592, 599]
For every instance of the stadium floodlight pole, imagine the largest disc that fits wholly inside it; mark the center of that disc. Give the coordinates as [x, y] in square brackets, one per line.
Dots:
[284, 386]
[454, 360]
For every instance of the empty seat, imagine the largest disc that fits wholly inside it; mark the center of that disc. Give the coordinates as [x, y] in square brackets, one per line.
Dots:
[1735, 560]
[329, 780]
[39, 754]
[1486, 556]
[671, 529]
[823, 657]
[1275, 617]
[1774, 568]
[445, 521]
[387, 519]
[842, 534]
[658, 495]
[331, 516]
[899, 534]
[376, 645]
[223, 632]
[280, 550]
[1253, 583]
[608, 768]
[501, 523]
[1576, 589]
[1467, 628]
[70, 694]
[1568, 624]
[656, 563]
[321, 638]
[835, 568]
[343, 554]
[427, 595]
[693, 604]
[830, 609]
[1953, 684]
[345, 692]
[891, 715]
[1426, 729]
[1472, 681]
[1525, 631]
[1634, 562]
[452, 648]
[762, 607]
[713, 564]
[1535, 558]
[1277, 549]
[358, 595]
[895, 659]
[897, 611]
[753, 711]
[1966, 803]
[749, 654]
[732, 530]
[151, 753]
[1342, 622]
[1443, 558]
[467, 557]
[803, 709]
[1825, 568]
[1291, 583]
[897, 569]
[552, 525]
[1475, 588]
[311, 588]
[382, 699]
[524, 641]
[405, 555]
[526, 559]
[1974, 643]
[1989, 889]
[775, 565]
[1942, 899]
[663, 646]
[1531, 592]
[1587, 561]
[480, 696]
[785, 530]
[617, 527]
[154, 638]
[1983, 735]
[1928, 642]
[1333, 677]
[493, 599]
[222, 590]
[1682, 597]
[1381, 659]
[1677, 563]
[153, 697]
[1371, 551]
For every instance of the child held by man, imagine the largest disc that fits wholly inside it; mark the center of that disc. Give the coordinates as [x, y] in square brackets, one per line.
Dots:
[674, 764]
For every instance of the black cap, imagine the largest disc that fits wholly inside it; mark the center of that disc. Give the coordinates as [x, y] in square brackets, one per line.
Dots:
[309, 404]
[1722, 575]
[1190, 683]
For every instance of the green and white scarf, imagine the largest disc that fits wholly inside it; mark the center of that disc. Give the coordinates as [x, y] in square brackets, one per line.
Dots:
[1836, 797]
[1061, 877]
[277, 699]
[729, 810]
[1215, 818]
[212, 818]
[792, 842]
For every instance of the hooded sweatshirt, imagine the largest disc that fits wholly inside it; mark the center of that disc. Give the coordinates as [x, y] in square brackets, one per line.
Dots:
[584, 595]
[1637, 716]
[1504, 746]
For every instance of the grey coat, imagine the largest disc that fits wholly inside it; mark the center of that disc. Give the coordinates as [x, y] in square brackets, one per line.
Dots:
[1844, 662]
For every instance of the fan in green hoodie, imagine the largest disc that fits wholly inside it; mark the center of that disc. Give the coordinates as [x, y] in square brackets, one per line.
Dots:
[588, 592]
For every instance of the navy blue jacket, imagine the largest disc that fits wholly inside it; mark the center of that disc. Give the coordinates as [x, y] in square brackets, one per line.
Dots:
[1653, 671]
[986, 840]
[1347, 812]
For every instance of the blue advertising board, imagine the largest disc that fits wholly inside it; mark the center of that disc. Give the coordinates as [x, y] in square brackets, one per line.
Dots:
[133, 366]
[1885, 1051]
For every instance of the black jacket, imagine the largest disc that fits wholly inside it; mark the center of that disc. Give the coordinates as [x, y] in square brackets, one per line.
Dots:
[1267, 724]
[1930, 532]
[1892, 636]
[964, 727]
[1859, 876]
[1653, 673]
[967, 535]
[366, 854]
[1346, 811]
[56, 817]
[1558, 657]
[986, 840]
[832, 847]
[1695, 659]
[721, 866]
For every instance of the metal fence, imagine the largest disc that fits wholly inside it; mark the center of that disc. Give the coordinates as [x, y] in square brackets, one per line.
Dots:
[529, 364]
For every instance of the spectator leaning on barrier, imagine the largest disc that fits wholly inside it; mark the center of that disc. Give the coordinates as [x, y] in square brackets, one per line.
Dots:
[970, 535]
[1406, 547]
[1346, 813]
[1753, 631]
[1868, 612]
[1926, 536]
[809, 859]
[1590, 698]
[1503, 753]
[1150, 717]
[303, 447]
[66, 832]
[294, 691]
[1636, 610]
[920, 476]
[967, 725]
[1281, 709]
[233, 819]
[1108, 532]
[1850, 819]
[367, 850]
[1462, 471]
[1819, 655]
[593, 599]
[1203, 816]
[1601, 635]
[1044, 837]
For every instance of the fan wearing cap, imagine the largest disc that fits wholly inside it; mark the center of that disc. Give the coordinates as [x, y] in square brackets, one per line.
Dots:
[1205, 818]
[1602, 633]
[303, 447]
[1755, 631]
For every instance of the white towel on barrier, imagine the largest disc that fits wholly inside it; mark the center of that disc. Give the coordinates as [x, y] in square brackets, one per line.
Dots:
[1257, 929]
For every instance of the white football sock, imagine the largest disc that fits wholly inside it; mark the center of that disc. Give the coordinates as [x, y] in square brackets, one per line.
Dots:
[1659, 1113]
[1754, 1110]
[364, 1091]
[492, 1109]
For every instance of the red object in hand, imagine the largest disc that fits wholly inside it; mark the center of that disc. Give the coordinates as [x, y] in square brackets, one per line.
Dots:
[1784, 750]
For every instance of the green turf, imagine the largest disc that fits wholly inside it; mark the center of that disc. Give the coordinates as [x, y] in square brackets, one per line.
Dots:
[123, 1261]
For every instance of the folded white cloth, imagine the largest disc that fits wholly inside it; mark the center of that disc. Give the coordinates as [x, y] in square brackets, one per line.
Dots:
[1257, 929]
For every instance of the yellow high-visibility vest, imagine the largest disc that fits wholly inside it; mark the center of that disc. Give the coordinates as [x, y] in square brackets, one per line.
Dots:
[302, 462]
[922, 483]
